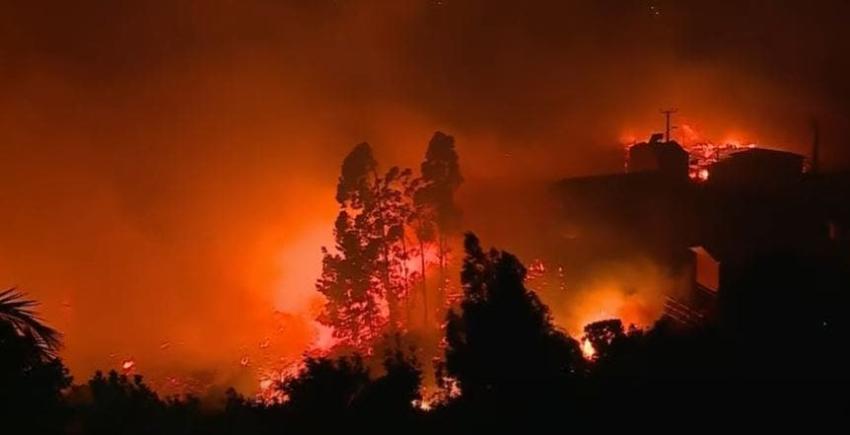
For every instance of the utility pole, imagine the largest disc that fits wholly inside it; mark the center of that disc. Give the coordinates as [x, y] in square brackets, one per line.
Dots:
[667, 114]
[814, 165]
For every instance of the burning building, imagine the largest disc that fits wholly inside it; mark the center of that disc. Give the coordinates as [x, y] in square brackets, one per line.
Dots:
[704, 213]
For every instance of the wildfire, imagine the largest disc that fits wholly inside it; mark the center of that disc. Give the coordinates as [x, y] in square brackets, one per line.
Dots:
[324, 339]
[702, 151]
[705, 154]
[265, 384]
[537, 269]
[587, 349]
[424, 404]
[270, 378]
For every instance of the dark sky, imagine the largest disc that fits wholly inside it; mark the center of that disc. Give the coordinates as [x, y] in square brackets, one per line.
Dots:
[179, 157]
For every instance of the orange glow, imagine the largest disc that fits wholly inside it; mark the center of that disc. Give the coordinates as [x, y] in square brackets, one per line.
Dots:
[535, 269]
[265, 384]
[628, 139]
[165, 204]
[587, 349]
[324, 340]
[689, 134]
[633, 291]
[611, 303]
[128, 365]
[703, 151]
[423, 404]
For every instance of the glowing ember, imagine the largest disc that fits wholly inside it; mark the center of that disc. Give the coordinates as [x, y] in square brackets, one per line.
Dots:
[324, 339]
[587, 349]
[424, 404]
[536, 270]
[265, 384]
[453, 387]
[706, 153]
[128, 365]
[702, 152]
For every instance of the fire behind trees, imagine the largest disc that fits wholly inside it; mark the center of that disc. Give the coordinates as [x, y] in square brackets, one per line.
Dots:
[386, 224]
[505, 361]
[776, 340]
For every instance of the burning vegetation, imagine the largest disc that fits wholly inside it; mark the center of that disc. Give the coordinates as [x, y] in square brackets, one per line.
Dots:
[390, 274]
[501, 346]
[390, 229]
[182, 195]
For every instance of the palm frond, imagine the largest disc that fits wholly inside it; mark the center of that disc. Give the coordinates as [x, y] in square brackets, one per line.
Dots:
[19, 311]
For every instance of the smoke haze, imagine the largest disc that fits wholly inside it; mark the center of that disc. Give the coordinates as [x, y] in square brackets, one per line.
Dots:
[169, 167]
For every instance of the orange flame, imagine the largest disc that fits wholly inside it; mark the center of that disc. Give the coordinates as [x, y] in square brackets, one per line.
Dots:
[587, 349]
[128, 365]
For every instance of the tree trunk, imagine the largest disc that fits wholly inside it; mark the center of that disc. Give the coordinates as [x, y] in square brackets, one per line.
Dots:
[406, 279]
[392, 298]
[424, 287]
[442, 287]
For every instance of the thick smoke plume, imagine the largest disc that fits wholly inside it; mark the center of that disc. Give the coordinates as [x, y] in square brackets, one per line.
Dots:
[168, 167]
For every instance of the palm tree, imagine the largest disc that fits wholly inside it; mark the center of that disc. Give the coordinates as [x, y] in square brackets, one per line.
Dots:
[19, 312]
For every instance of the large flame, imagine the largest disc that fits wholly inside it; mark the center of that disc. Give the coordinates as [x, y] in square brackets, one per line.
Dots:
[587, 349]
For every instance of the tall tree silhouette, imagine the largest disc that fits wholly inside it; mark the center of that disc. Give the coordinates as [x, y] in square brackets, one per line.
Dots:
[388, 218]
[503, 343]
[437, 214]
[369, 266]
[352, 307]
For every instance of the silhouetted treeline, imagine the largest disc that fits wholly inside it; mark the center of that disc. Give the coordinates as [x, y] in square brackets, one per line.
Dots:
[776, 347]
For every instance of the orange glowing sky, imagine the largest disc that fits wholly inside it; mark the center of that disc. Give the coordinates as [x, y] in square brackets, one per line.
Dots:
[168, 169]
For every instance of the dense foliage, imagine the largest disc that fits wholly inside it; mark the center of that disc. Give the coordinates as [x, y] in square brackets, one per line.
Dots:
[504, 361]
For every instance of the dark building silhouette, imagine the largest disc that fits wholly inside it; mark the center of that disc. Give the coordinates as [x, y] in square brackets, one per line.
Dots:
[757, 168]
[756, 203]
[668, 158]
[648, 210]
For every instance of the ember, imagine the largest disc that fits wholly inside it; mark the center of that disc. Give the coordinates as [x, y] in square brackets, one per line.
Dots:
[285, 197]
[587, 349]
[705, 154]
[422, 404]
[128, 365]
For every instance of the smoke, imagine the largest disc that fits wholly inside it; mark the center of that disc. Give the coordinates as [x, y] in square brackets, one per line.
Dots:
[634, 291]
[169, 167]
